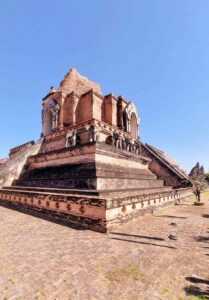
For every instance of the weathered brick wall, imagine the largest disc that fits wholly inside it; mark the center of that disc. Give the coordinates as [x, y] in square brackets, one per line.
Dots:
[109, 108]
[97, 107]
[73, 81]
[68, 110]
[84, 111]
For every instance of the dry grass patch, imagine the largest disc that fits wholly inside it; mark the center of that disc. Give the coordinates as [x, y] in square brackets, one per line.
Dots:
[206, 194]
[124, 273]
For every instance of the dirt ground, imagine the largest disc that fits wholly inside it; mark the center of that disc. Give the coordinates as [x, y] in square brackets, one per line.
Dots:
[161, 256]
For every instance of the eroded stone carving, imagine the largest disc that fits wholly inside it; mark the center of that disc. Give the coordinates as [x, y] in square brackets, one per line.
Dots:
[71, 139]
[92, 134]
[55, 115]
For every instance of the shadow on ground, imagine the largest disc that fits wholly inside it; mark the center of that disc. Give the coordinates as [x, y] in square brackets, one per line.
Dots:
[197, 280]
[53, 218]
[205, 216]
[196, 290]
[139, 236]
[122, 237]
[202, 239]
[171, 217]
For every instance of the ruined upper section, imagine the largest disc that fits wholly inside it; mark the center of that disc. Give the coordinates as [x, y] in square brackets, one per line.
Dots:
[79, 101]
[13, 167]
[3, 161]
[74, 81]
[20, 148]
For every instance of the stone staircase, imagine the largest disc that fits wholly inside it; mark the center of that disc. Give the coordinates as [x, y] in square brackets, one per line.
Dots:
[15, 165]
[134, 190]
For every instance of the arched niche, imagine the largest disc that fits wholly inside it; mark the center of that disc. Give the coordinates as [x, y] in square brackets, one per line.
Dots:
[50, 116]
[134, 126]
[132, 120]
[69, 110]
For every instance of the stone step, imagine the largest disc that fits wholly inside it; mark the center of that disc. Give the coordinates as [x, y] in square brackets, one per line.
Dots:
[91, 193]
[134, 192]
[51, 191]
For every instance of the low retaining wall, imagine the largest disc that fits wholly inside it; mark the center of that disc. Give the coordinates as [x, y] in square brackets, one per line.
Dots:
[90, 212]
[124, 209]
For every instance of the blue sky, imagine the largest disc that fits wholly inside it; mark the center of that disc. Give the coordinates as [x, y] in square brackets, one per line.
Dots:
[154, 52]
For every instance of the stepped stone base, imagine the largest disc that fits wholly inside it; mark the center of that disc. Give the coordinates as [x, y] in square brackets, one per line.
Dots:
[90, 166]
[90, 209]
[93, 186]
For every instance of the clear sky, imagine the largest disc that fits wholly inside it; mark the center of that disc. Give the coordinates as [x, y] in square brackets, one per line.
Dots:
[154, 52]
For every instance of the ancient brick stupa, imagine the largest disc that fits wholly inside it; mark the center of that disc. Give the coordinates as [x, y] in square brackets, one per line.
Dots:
[90, 166]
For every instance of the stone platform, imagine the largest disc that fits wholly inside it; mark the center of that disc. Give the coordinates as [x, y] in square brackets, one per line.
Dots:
[90, 209]
[90, 166]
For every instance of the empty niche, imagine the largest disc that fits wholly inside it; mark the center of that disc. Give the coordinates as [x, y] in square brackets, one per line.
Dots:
[115, 203]
[134, 206]
[124, 209]
[57, 205]
[68, 206]
[82, 209]
[47, 204]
